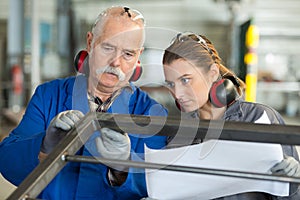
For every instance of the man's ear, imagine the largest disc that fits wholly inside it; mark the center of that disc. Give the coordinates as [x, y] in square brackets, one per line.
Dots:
[141, 51]
[89, 39]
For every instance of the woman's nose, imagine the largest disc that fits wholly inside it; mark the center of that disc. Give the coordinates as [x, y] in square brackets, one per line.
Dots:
[178, 91]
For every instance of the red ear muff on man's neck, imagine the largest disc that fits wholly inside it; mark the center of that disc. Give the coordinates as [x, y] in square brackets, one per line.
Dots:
[81, 65]
[223, 93]
[137, 72]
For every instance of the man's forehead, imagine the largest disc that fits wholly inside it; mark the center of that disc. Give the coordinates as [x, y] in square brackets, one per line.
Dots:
[119, 28]
[125, 37]
[131, 39]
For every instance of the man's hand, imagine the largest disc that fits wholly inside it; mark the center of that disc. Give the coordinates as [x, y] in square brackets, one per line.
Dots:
[289, 166]
[58, 128]
[113, 145]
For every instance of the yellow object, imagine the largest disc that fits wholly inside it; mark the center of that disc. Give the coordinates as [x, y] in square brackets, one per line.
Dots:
[250, 93]
[252, 36]
[250, 58]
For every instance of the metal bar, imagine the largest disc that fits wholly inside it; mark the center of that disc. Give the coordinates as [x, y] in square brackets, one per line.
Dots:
[180, 168]
[193, 128]
[42, 175]
[35, 46]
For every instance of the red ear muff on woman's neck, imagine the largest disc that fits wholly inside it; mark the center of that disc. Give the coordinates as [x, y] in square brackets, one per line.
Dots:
[81, 65]
[178, 105]
[223, 93]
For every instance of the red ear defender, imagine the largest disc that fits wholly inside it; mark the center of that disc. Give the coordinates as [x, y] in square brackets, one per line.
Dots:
[81, 62]
[223, 92]
[137, 72]
[178, 105]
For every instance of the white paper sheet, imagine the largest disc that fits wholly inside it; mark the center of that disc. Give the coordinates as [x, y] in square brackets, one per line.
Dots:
[228, 155]
[6, 188]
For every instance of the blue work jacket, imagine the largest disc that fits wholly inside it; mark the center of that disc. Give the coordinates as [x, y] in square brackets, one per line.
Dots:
[19, 151]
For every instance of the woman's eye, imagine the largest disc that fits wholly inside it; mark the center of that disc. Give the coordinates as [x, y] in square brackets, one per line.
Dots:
[185, 80]
[170, 84]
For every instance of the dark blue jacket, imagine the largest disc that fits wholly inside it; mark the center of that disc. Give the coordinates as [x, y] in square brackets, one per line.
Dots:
[19, 151]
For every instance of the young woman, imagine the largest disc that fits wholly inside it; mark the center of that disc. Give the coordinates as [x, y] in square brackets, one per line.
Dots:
[202, 86]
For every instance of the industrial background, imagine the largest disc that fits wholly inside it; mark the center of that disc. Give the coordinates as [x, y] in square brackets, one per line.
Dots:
[258, 39]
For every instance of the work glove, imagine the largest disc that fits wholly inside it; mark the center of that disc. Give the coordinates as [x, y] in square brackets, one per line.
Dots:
[113, 145]
[289, 166]
[58, 128]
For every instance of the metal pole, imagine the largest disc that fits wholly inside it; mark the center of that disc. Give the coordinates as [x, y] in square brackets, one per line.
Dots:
[38, 179]
[41, 176]
[233, 7]
[15, 50]
[193, 128]
[35, 46]
[179, 168]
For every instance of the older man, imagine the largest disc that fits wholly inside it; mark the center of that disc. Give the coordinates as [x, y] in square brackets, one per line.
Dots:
[114, 46]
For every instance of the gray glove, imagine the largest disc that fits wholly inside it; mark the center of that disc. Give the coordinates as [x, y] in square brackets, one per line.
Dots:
[289, 166]
[58, 128]
[114, 145]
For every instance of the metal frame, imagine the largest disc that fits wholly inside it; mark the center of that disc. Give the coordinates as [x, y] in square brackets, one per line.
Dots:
[64, 152]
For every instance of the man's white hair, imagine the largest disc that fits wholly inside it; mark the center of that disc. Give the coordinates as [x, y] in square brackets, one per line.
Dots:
[116, 12]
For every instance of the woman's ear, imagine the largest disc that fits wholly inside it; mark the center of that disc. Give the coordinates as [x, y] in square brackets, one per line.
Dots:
[89, 39]
[214, 72]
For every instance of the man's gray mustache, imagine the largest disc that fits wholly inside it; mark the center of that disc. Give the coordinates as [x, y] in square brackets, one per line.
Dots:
[113, 70]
